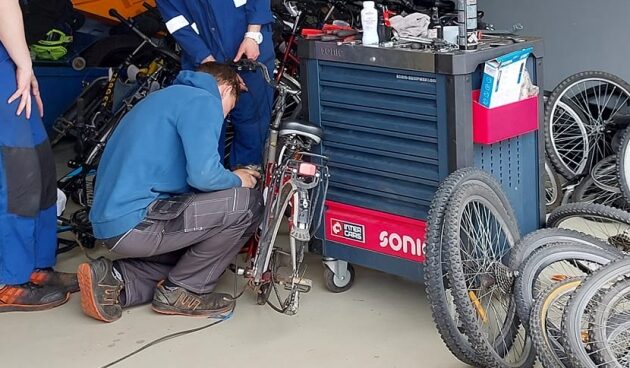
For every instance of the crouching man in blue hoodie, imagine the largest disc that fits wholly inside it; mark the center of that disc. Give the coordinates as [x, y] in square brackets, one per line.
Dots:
[164, 200]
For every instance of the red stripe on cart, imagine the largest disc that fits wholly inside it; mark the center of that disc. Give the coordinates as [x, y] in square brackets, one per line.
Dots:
[375, 231]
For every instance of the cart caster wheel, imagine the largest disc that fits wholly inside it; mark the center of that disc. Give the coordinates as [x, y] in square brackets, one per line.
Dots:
[336, 284]
[263, 295]
[78, 63]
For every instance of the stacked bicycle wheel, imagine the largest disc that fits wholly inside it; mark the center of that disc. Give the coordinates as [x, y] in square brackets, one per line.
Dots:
[587, 135]
[500, 301]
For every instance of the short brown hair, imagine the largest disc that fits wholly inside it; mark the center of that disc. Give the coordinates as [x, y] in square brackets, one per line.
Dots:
[224, 74]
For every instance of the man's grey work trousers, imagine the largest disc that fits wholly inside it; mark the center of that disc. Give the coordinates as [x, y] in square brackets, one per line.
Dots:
[191, 250]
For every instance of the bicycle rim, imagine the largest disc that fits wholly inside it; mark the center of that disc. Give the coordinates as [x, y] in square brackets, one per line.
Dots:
[546, 323]
[576, 314]
[609, 326]
[480, 232]
[604, 174]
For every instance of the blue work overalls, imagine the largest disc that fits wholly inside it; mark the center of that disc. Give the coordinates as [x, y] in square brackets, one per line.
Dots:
[217, 28]
[28, 238]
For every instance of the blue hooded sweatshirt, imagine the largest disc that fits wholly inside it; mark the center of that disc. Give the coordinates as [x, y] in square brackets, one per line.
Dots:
[167, 144]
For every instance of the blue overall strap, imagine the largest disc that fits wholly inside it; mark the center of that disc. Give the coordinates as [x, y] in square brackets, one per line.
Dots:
[27, 189]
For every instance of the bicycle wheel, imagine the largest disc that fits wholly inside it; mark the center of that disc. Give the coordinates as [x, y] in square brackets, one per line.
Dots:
[438, 288]
[479, 232]
[575, 320]
[596, 100]
[604, 174]
[566, 139]
[623, 168]
[553, 263]
[553, 188]
[587, 192]
[538, 239]
[545, 323]
[604, 222]
[609, 326]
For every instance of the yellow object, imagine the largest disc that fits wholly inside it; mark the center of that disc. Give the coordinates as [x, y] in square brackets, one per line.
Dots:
[477, 304]
[100, 8]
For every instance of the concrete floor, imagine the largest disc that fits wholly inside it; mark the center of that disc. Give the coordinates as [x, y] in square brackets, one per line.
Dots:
[382, 321]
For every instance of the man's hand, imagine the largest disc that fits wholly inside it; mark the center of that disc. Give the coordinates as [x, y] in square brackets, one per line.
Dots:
[26, 85]
[249, 48]
[209, 59]
[248, 177]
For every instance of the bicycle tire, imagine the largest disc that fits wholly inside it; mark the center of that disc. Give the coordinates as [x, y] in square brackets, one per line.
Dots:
[578, 308]
[602, 329]
[623, 170]
[587, 192]
[556, 296]
[553, 187]
[435, 260]
[526, 289]
[596, 214]
[491, 351]
[552, 103]
[538, 239]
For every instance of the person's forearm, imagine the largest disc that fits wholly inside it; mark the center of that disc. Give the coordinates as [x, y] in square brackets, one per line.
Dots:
[250, 28]
[12, 33]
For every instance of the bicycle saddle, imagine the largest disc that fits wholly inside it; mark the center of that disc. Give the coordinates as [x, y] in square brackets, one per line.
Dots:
[303, 128]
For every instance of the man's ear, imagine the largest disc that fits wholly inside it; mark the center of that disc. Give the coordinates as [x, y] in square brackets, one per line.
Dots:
[225, 90]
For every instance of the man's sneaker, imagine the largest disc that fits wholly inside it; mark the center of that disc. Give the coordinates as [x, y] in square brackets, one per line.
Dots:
[30, 297]
[177, 300]
[48, 277]
[100, 290]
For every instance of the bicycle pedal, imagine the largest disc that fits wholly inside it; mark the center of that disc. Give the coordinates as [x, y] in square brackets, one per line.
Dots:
[303, 235]
[303, 285]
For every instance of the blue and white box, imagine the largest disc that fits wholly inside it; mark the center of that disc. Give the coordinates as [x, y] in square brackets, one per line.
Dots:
[503, 78]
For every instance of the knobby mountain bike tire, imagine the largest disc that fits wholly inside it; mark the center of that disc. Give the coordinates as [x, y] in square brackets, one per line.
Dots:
[479, 232]
[435, 270]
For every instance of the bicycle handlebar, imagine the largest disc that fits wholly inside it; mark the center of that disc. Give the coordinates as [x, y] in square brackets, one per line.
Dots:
[114, 13]
[252, 66]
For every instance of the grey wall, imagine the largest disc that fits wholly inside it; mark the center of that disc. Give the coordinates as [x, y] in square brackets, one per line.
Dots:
[579, 35]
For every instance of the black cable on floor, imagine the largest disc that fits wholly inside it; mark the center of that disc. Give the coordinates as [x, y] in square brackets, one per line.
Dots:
[165, 338]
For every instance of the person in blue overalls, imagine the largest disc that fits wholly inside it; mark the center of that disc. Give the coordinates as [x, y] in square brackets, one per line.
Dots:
[223, 31]
[28, 192]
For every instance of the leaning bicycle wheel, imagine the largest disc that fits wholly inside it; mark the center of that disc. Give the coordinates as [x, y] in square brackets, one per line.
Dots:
[604, 222]
[581, 118]
[577, 334]
[438, 288]
[609, 326]
[545, 323]
[479, 233]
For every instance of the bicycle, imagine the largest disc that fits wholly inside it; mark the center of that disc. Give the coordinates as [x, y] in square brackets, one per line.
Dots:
[294, 182]
[93, 134]
[107, 97]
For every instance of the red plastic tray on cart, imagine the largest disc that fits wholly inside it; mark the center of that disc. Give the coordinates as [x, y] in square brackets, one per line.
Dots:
[503, 122]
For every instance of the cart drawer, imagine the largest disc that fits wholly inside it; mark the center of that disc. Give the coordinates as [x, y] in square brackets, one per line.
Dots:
[375, 76]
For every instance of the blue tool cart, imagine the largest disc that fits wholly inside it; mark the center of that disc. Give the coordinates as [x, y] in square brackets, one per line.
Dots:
[397, 122]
